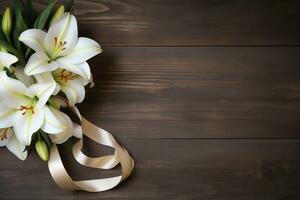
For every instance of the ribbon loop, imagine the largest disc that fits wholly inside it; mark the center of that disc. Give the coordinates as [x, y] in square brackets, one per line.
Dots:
[121, 156]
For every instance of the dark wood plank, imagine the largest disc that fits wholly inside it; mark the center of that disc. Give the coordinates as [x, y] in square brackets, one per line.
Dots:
[192, 22]
[175, 169]
[148, 97]
[196, 92]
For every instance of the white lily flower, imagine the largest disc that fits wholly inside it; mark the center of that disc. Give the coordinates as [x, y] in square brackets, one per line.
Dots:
[73, 129]
[23, 107]
[57, 124]
[60, 47]
[6, 60]
[70, 83]
[8, 139]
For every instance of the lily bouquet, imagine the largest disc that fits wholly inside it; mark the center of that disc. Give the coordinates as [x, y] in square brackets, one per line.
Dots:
[43, 69]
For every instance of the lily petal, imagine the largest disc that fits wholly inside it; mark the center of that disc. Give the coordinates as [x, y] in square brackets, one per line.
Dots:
[54, 121]
[47, 77]
[43, 91]
[74, 90]
[39, 63]
[12, 91]
[16, 147]
[82, 70]
[26, 125]
[6, 116]
[63, 136]
[84, 50]
[65, 31]
[34, 38]
[6, 60]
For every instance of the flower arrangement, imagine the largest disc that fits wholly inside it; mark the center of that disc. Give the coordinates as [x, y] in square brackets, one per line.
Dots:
[43, 68]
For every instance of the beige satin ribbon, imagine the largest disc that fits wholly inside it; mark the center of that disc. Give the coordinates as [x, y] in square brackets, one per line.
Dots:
[61, 176]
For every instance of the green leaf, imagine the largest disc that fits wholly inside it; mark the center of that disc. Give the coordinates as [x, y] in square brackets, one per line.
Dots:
[19, 4]
[7, 45]
[36, 22]
[20, 23]
[29, 13]
[44, 16]
[16, 40]
[68, 5]
[12, 50]
[20, 26]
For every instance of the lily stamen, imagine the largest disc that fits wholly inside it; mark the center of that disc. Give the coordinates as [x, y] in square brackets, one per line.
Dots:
[55, 41]
[24, 109]
[65, 76]
[59, 47]
[3, 134]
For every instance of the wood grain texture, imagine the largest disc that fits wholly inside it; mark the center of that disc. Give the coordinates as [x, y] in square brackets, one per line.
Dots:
[175, 169]
[188, 22]
[205, 94]
[196, 92]
[192, 22]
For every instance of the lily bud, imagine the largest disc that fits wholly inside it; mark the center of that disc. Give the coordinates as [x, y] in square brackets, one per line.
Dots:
[6, 22]
[42, 150]
[58, 14]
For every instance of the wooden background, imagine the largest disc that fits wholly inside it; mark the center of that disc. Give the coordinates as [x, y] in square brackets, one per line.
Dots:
[205, 94]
